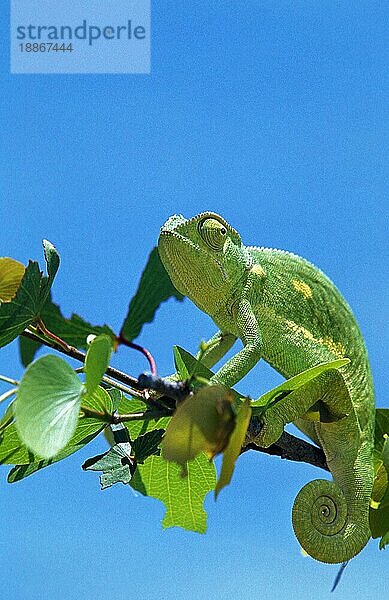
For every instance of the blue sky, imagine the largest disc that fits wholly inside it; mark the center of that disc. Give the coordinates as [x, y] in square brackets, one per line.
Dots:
[272, 114]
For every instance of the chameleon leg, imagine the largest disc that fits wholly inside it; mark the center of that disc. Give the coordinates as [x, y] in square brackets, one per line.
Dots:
[217, 347]
[330, 518]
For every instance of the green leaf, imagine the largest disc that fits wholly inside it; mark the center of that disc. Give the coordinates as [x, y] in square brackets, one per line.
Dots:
[147, 445]
[16, 315]
[183, 497]
[11, 275]
[381, 427]
[137, 428]
[117, 466]
[294, 383]
[7, 417]
[73, 331]
[384, 540]
[234, 446]
[379, 509]
[32, 293]
[12, 450]
[27, 350]
[202, 423]
[97, 361]
[47, 405]
[52, 263]
[187, 365]
[154, 288]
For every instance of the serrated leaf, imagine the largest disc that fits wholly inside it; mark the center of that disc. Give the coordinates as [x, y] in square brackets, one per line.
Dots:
[116, 464]
[11, 275]
[73, 331]
[183, 497]
[202, 423]
[16, 315]
[47, 405]
[97, 361]
[294, 383]
[232, 451]
[12, 450]
[154, 288]
[32, 293]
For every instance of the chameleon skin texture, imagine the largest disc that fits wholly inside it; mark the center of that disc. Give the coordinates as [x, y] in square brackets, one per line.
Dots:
[289, 313]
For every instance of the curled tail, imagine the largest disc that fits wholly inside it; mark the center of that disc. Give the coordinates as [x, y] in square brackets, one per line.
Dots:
[327, 527]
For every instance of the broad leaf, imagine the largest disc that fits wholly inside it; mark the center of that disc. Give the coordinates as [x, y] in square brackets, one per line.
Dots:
[97, 361]
[202, 423]
[294, 383]
[47, 405]
[234, 446]
[11, 275]
[12, 450]
[154, 288]
[183, 497]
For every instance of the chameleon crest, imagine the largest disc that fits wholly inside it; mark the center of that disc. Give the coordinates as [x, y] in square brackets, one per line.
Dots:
[286, 311]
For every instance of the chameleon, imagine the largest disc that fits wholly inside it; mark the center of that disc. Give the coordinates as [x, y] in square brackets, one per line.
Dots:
[289, 313]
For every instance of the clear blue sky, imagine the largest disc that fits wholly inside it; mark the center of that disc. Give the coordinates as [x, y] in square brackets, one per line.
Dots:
[272, 114]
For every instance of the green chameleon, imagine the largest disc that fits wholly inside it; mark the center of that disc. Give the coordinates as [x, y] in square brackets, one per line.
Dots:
[289, 313]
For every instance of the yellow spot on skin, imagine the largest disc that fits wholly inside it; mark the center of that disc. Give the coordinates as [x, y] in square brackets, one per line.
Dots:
[300, 330]
[336, 348]
[302, 287]
[257, 270]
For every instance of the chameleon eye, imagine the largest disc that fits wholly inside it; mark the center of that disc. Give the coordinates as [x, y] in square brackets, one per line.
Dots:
[213, 233]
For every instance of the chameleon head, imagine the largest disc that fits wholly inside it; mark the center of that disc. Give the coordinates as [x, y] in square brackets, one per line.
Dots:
[204, 257]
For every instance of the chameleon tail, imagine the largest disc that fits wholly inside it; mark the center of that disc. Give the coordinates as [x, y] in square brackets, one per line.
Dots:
[325, 525]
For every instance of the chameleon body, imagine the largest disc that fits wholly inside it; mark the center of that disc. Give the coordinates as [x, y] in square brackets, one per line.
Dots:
[289, 313]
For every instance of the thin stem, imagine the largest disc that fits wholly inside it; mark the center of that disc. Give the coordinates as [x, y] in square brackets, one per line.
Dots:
[122, 340]
[8, 394]
[80, 356]
[9, 380]
[117, 418]
[122, 388]
[49, 334]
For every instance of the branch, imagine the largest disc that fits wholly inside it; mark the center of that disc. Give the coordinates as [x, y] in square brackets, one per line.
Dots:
[80, 356]
[288, 446]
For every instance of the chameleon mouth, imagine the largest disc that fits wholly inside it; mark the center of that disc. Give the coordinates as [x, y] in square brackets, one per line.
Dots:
[182, 259]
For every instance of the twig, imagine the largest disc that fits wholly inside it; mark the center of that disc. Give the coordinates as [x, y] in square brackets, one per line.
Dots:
[292, 448]
[288, 446]
[122, 340]
[78, 355]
